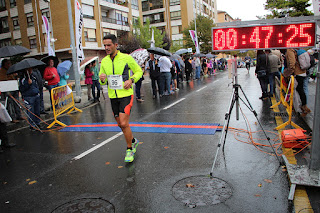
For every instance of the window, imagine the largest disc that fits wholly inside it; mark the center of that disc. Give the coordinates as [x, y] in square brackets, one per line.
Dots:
[134, 4]
[87, 11]
[152, 4]
[92, 35]
[174, 2]
[30, 19]
[5, 42]
[175, 15]
[12, 3]
[122, 18]
[108, 31]
[46, 13]
[15, 21]
[85, 35]
[4, 26]
[3, 5]
[18, 42]
[27, 1]
[33, 42]
[176, 30]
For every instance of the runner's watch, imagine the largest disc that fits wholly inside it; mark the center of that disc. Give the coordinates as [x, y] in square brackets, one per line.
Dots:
[132, 80]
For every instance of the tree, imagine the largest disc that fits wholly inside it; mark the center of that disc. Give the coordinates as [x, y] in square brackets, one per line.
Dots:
[293, 8]
[128, 43]
[143, 34]
[204, 25]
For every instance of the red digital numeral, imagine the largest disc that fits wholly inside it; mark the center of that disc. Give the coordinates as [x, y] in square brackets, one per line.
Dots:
[305, 35]
[296, 32]
[255, 38]
[220, 39]
[232, 39]
[270, 31]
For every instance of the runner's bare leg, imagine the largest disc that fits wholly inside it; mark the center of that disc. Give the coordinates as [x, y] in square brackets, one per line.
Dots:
[123, 123]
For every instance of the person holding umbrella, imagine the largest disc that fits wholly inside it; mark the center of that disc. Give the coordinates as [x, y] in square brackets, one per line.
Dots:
[51, 75]
[63, 68]
[30, 92]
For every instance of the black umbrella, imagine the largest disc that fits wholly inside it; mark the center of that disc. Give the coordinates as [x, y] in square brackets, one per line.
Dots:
[46, 60]
[181, 51]
[9, 51]
[24, 64]
[159, 51]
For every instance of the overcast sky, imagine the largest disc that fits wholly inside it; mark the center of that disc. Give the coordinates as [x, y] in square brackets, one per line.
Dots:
[244, 9]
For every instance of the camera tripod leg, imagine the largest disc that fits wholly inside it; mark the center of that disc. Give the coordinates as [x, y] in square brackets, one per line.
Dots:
[224, 129]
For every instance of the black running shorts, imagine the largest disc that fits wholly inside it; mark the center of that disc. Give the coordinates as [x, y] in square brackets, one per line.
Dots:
[121, 105]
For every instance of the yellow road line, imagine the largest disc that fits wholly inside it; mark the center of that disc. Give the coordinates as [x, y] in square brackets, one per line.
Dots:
[301, 200]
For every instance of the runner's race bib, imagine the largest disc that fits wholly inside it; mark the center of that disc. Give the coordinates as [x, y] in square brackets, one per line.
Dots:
[115, 81]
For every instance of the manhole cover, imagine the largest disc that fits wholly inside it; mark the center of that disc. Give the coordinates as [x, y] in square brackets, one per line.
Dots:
[86, 205]
[201, 191]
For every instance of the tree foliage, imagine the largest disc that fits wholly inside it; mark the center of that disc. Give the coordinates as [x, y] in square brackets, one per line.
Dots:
[282, 8]
[204, 25]
[128, 43]
[143, 33]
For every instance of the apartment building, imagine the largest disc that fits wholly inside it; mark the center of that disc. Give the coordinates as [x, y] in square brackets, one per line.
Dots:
[21, 21]
[172, 16]
[224, 17]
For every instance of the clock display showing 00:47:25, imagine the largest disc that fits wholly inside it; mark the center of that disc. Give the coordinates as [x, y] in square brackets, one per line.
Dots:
[264, 37]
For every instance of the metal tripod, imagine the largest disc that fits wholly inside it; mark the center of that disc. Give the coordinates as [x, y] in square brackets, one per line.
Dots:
[235, 100]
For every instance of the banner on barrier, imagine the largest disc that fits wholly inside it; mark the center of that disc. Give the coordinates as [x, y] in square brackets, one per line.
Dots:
[62, 100]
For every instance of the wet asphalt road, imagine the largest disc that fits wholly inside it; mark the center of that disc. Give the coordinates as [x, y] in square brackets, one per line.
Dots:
[161, 160]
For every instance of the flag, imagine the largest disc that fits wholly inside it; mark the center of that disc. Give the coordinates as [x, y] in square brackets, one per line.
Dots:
[195, 40]
[78, 26]
[47, 27]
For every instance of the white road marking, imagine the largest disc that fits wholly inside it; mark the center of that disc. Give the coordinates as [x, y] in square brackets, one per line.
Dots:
[97, 146]
[201, 89]
[167, 107]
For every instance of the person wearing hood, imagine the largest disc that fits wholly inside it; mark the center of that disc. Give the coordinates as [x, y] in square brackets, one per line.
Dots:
[30, 92]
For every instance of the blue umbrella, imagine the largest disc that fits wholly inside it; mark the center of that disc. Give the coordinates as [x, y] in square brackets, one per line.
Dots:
[64, 67]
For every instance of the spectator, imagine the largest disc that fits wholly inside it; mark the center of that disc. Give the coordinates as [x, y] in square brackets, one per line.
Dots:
[174, 74]
[51, 75]
[309, 72]
[205, 67]
[193, 63]
[31, 95]
[88, 81]
[188, 69]
[262, 67]
[178, 73]
[40, 83]
[4, 137]
[300, 75]
[154, 73]
[15, 113]
[63, 79]
[95, 82]
[273, 67]
[165, 75]
[198, 67]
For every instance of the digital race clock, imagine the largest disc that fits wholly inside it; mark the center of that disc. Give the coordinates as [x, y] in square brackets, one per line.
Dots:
[278, 36]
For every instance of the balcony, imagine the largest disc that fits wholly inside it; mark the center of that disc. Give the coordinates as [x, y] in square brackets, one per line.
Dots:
[114, 21]
[119, 2]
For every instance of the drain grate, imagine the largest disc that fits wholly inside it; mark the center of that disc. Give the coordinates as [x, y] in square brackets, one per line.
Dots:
[201, 191]
[87, 205]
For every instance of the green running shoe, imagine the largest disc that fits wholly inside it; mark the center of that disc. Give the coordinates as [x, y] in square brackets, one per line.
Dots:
[135, 145]
[129, 156]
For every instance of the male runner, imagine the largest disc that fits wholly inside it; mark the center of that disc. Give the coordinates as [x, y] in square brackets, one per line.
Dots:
[115, 71]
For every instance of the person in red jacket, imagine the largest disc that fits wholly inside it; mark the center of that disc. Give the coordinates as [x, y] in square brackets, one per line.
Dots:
[51, 75]
[88, 81]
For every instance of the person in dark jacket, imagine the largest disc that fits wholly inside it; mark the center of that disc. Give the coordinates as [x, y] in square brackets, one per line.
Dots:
[262, 65]
[154, 73]
[31, 95]
[40, 82]
[188, 68]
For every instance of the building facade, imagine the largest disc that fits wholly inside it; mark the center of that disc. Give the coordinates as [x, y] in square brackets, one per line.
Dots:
[224, 17]
[21, 21]
[172, 16]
